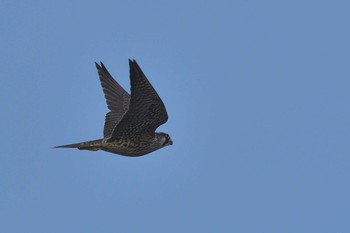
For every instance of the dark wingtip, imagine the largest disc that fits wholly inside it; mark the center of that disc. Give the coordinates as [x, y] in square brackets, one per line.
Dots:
[133, 63]
[98, 66]
[103, 66]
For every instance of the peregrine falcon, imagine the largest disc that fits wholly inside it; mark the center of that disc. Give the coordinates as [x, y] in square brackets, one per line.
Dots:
[130, 124]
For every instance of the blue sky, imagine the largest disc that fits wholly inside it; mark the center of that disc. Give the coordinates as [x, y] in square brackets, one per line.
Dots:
[257, 94]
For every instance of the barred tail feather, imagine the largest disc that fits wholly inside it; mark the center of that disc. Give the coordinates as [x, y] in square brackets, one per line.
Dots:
[89, 145]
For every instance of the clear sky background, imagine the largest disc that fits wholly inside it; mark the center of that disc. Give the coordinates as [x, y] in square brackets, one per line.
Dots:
[257, 94]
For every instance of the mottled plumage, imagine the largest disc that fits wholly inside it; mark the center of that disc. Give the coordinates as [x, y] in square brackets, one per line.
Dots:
[131, 123]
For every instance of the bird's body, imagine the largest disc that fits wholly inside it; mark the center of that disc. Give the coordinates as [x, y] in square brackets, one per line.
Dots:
[131, 123]
[122, 146]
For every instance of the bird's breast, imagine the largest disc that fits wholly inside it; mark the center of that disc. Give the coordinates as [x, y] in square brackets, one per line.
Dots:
[129, 147]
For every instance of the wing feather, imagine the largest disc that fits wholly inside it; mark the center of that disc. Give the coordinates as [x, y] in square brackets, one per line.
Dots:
[116, 97]
[146, 111]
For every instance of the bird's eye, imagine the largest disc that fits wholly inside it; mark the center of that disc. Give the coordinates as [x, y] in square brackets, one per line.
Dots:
[166, 140]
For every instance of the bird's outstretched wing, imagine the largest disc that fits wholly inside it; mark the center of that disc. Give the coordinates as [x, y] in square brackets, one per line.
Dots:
[116, 97]
[146, 110]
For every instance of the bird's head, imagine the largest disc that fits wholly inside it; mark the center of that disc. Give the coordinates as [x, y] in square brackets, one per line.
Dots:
[163, 139]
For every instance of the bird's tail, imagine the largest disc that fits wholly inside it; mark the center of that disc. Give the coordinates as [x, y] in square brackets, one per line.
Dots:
[89, 145]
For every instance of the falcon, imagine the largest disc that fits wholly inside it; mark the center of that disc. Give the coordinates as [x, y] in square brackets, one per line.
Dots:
[131, 123]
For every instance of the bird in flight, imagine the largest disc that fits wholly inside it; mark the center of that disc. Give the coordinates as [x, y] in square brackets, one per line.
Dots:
[130, 124]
